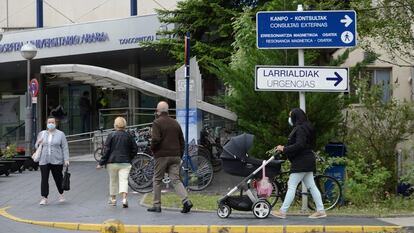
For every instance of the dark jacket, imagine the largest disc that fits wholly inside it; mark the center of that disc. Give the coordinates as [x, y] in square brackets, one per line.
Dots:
[84, 105]
[120, 147]
[301, 143]
[167, 137]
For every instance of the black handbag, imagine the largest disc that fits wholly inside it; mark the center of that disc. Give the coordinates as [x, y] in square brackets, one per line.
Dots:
[66, 180]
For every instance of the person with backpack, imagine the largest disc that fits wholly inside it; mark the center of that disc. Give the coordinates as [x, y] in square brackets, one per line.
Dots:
[299, 151]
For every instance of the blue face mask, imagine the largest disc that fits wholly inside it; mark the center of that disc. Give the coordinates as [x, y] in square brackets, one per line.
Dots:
[290, 121]
[51, 126]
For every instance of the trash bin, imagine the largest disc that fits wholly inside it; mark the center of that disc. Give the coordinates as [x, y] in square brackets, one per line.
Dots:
[336, 170]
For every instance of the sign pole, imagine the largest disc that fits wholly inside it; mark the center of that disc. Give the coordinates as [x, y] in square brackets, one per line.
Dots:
[302, 105]
[187, 100]
[34, 91]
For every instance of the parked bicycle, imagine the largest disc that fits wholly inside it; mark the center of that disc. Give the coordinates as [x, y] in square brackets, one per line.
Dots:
[200, 170]
[98, 153]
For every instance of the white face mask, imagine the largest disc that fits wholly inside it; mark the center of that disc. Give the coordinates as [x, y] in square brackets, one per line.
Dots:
[290, 121]
[51, 126]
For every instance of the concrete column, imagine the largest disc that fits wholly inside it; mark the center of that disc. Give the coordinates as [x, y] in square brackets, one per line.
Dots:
[134, 7]
[39, 13]
[133, 94]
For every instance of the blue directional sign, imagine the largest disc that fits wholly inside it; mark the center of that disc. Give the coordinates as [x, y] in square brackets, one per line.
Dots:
[306, 29]
[288, 78]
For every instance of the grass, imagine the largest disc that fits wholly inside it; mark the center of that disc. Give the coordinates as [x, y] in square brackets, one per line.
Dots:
[208, 202]
[200, 201]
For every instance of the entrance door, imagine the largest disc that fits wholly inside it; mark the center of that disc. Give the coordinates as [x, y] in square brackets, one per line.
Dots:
[78, 123]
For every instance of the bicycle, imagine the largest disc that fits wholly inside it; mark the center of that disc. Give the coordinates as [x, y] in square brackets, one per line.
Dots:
[196, 170]
[142, 170]
[98, 153]
[210, 147]
[329, 187]
[200, 171]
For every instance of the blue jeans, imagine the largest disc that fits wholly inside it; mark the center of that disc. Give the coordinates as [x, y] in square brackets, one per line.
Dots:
[307, 178]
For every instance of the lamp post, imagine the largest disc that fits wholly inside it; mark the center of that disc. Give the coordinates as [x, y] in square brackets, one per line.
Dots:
[28, 52]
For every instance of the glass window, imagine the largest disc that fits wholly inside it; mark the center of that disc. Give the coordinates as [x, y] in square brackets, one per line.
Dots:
[382, 77]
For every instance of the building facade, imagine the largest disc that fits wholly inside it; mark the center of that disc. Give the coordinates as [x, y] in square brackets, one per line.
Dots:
[93, 33]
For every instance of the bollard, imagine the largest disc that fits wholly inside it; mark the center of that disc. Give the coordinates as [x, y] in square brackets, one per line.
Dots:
[113, 226]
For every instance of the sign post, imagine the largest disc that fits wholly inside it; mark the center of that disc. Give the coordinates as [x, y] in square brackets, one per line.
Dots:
[299, 30]
[187, 100]
[34, 91]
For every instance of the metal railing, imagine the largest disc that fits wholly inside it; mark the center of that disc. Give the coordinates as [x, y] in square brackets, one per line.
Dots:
[134, 116]
[95, 137]
[17, 137]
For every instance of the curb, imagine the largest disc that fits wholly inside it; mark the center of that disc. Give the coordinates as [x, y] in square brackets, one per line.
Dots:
[206, 228]
[142, 203]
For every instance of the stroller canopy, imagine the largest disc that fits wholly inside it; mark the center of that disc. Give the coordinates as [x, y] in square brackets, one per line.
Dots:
[237, 147]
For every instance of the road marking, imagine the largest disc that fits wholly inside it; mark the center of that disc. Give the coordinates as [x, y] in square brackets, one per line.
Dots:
[205, 228]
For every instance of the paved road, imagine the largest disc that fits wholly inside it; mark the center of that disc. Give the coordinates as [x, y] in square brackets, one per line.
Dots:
[86, 203]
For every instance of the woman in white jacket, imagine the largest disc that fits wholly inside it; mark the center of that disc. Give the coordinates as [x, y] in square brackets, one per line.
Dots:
[54, 155]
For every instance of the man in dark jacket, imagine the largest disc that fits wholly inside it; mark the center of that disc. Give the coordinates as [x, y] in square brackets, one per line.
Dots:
[85, 111]
[167, 145]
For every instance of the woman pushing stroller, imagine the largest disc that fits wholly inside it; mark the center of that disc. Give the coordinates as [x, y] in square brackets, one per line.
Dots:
[301, 141]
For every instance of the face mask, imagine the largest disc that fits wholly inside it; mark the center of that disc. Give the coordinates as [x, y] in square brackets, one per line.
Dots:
[290, 121]
[51, 126]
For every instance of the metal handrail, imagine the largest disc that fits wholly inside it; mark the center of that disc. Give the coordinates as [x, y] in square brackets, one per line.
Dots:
[104, 131]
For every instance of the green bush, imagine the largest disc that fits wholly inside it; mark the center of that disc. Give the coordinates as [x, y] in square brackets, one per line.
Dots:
[10, 151]
[374, 130]
[365, 181]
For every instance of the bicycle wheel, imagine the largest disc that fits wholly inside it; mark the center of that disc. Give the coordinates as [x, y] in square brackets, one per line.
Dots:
[330, 189]
[141, 174]
[97, 154]
[200, 173]
[216, 163]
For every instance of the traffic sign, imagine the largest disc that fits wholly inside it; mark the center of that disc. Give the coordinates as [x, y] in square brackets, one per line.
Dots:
[316, 79]
[34, 87]
[306, 29]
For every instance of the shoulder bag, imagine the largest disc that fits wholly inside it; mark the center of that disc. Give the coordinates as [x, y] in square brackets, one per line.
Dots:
[66, 180]
[38, 152]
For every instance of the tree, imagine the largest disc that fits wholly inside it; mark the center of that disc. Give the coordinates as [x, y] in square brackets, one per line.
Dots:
[209, 23]
[389, 24]
[377, 128]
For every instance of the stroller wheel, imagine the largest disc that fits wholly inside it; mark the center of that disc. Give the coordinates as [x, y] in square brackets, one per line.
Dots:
[261, 209]
[223, 211]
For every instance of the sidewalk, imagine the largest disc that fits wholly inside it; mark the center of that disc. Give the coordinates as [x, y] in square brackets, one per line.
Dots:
[87, 203]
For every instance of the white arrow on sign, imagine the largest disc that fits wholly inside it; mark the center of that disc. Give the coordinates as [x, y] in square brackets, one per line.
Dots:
[347, 20]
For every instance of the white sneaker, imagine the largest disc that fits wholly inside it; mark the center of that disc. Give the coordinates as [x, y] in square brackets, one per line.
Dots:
[112, 202]
[279, 214]
[61, 198]
[125, 203]
[318, 214]
[43, 201]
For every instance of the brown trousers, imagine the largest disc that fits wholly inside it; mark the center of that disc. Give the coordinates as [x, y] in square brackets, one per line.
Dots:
[170, 165]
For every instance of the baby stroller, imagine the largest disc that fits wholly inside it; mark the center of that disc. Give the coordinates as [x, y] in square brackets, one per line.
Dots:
[237, 162]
